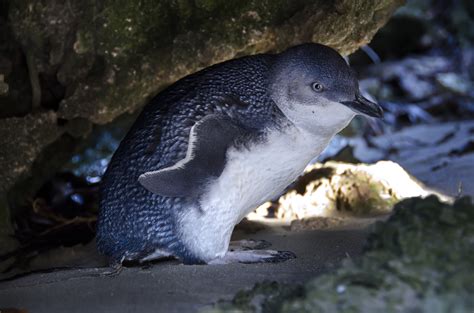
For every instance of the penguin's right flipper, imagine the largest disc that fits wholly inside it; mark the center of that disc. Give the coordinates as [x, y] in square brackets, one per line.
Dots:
[205, 159]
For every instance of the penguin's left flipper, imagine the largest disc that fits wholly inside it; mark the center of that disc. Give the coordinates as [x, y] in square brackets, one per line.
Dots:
[253, 256]
[205, 159]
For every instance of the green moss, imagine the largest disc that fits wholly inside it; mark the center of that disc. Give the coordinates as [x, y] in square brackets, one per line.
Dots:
[207, 5]
[359, 194]
[26, 17]
[137, 26]
[263, 297]
[128, 26]
[420, 260]
[84, 42]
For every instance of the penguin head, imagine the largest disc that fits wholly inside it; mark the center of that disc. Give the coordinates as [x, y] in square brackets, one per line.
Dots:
[316, 89]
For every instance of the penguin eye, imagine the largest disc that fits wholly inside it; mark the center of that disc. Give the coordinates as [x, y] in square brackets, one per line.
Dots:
[317, 87]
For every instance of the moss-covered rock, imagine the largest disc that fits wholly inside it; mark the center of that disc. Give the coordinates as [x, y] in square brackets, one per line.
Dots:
[420, 260]
[22, 140]
[263, 297]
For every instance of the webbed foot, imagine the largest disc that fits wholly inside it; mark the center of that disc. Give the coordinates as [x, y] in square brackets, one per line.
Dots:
[248, 244]
[254, 256]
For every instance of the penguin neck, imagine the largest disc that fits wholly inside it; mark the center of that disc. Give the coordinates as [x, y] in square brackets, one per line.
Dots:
[305, 140]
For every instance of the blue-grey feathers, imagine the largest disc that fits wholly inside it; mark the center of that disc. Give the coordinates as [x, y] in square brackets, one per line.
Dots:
[205, 159]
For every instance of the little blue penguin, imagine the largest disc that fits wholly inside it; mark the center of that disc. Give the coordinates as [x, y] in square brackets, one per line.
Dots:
[216, 144]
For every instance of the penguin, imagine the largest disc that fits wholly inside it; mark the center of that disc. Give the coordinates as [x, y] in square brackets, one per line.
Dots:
[216, 144]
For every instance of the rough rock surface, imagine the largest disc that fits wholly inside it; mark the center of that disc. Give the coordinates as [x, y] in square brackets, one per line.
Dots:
[419, 260]
[65, 65]
[34, 131]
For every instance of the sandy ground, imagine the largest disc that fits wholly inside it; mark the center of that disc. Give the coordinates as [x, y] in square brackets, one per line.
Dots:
[172, 287]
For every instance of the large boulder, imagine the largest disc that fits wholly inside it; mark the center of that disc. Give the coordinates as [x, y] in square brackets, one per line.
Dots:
[419, 260]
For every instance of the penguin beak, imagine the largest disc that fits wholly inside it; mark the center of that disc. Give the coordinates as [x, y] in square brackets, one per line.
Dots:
[364, 106]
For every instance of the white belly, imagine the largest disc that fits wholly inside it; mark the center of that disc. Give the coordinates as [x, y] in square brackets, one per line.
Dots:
[250, 178]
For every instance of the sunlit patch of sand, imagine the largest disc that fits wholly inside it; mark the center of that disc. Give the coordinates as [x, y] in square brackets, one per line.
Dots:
[334, 194]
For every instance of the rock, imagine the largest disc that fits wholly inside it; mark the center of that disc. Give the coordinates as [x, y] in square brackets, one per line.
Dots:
[22, 140]
[7, 243]
[267, 296]
[454, 83]
[419, 260]
[35, 131]
[316, 222]
[414, 76]
[132, 50]
[3, 86]
[338, 190]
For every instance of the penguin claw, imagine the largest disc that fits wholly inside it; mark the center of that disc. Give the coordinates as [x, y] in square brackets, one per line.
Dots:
[281, 256]
[115, 269]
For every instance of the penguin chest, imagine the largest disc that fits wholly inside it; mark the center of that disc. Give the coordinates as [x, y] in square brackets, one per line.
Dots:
[258, 174]
[250, 177]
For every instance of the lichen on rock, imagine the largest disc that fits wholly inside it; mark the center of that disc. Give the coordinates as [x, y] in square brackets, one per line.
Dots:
[419, 260]
[35, 131]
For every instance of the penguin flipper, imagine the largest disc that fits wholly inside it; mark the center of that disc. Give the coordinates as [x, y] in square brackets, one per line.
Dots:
[205, 159]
